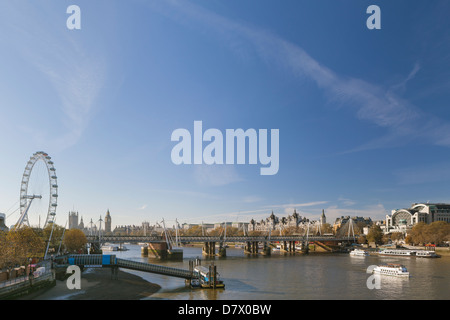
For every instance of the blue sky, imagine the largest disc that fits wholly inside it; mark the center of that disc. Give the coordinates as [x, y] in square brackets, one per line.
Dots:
[363, 114]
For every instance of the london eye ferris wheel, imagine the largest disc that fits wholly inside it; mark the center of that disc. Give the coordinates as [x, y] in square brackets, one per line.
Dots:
[38, 192]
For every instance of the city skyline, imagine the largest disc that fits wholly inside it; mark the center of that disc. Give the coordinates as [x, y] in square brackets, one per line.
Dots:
[362, 114]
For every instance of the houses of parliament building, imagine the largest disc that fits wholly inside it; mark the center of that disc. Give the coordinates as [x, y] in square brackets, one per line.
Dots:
[91, 227]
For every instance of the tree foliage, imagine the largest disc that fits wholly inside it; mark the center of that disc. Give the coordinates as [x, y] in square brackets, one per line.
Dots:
[74, 240]
[56, 235]
[436, 233]
[20, 245]
[193, 231]
[375, 234]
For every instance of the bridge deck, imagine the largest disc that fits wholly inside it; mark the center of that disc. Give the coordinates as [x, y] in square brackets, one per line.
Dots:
[187, 239]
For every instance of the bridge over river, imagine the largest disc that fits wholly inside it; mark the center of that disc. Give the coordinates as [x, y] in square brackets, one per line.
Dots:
[251, 244]
[216, 239]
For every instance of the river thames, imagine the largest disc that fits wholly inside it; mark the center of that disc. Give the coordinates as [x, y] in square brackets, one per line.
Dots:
[298, 277]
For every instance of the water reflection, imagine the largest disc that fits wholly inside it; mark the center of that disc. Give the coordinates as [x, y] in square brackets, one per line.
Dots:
[292, 277]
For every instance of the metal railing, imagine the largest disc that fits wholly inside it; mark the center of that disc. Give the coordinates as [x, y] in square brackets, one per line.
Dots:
[154, 268]
[14, 281]
[22, 282]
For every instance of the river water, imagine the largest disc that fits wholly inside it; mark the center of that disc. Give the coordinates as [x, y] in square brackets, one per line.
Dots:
[284, 276]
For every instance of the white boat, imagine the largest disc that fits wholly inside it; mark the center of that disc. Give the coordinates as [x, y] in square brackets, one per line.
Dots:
[400, 252]
[204, 278]
[426, 254]
[359, 253]
[396, 270]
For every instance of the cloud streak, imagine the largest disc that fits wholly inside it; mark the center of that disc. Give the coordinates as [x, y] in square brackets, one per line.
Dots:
[295, 205]
[370, 102]
[377, 211]
[208, 175]
[75, 75]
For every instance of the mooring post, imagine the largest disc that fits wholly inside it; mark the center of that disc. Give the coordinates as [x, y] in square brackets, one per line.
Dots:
[114, 273]
[209, 278]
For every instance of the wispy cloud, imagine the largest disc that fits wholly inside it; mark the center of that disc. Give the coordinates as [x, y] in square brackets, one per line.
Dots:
[370, 102]
[232, 216]
[142, 207]
[298, 205]
[431, 173]
[210, 175]
[188, 193]
[347, 202]
[401, 86]
[251, 199]
[39, 37]
[290, 207]
[376, 211]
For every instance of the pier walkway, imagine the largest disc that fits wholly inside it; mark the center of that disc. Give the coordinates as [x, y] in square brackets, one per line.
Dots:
[110, 261]
[154, 268]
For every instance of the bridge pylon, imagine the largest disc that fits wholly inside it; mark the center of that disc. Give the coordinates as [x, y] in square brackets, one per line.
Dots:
[209, 249]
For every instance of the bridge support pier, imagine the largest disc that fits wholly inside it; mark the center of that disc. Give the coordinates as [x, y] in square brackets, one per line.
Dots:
[157, 250]
[247, 248]
[222, 251]
[292, 246]
[305, 247]
[266, 249]
[255, 247]
[288, 246]
[144, 251]
[251, 247]
[284, 246]
[209, 249]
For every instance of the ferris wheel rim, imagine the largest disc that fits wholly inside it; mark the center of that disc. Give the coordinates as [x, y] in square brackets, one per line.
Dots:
[53, 186]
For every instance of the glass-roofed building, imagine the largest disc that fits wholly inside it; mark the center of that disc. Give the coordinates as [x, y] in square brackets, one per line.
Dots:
[403, 219]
